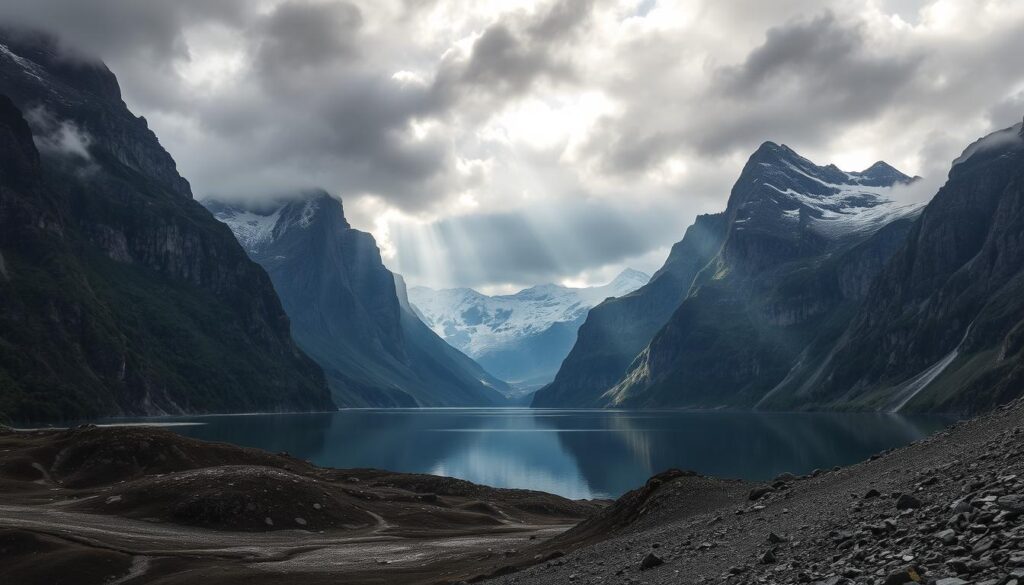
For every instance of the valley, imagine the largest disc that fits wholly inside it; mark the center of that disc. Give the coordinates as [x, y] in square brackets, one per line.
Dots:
[283, 370]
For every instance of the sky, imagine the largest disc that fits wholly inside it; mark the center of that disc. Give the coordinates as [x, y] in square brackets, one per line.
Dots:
[500, 144]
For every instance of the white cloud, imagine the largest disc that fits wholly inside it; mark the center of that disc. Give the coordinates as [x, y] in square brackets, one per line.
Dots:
[459, 131]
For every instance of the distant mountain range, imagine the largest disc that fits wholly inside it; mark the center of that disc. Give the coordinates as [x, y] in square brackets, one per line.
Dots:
[349, 312]
[815, 288]
[522, 337]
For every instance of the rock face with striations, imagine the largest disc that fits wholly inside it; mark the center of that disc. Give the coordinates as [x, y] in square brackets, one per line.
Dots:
[349, 312]
[616, 330]
[942, 329]
[802, 244]
[119, 294]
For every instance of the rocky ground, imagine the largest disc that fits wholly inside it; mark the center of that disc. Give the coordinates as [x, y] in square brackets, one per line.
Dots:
[143, 505]
[947, 510]
[146, 506]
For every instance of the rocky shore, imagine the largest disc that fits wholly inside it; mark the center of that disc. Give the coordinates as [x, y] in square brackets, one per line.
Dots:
[144, 505]
[947, 510]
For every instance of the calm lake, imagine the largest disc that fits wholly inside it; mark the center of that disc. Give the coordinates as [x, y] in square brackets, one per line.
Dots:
[574, 453]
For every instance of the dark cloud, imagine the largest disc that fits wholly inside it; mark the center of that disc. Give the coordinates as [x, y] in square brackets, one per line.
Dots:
[421, 103]
[106, 27]
[808, 78]
[513, 54]
[300, 36]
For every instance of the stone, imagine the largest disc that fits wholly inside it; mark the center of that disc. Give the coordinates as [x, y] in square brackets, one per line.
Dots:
[907, 502]
[947, 536]
[905, 575]
[872, 493]
[768, 557]
[776, 539]
[1012, 503]
[952, 581]
[650, 561]
[759, 492]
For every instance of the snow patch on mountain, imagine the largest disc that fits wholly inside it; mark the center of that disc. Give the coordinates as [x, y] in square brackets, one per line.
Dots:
[476, 323]
[251, 229]
[832, 203]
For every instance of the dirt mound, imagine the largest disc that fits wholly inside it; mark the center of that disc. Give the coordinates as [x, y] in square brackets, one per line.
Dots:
[663, 491]
[27, 558]
[234, 497]
[90, 456]
[514, 501]
[486, 508]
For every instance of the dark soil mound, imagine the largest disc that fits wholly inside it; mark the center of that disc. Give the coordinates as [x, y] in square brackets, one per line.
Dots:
[27, 558]
[233, 497]
[514, 502]
[659, 499]
[90, 456]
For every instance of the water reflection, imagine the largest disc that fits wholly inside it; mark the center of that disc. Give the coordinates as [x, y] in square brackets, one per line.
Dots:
[575, 453]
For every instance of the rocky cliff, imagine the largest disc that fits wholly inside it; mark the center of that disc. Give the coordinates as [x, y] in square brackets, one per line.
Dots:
[616, 330]
[349, 312]
[801, 244]
[942, 327]
[119, 294]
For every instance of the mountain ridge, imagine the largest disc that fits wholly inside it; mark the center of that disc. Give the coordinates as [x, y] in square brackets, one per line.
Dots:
[785, 221]
[349, 312]
[522, 337]
[120, 294]
[946, 312]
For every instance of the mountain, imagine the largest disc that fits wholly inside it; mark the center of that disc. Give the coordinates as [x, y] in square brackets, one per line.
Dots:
[618, 329]
[349, 312]
[119, 294]
[522, 337]
[942, 329]
[798, 248]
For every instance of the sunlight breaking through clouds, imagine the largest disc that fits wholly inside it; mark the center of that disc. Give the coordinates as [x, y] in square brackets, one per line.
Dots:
[455, 131]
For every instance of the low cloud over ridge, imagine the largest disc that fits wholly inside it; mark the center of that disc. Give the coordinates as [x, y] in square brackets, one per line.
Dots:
[515, 142]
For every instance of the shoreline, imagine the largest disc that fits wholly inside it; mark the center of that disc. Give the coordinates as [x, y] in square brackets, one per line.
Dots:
[714, 529]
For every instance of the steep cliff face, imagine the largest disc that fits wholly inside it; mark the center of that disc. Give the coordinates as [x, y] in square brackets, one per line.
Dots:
[943, 325]
[618, 329]
[802, 243]
[121, 295]
[349, 312]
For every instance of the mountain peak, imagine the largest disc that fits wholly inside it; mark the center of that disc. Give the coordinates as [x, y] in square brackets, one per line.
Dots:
[775, 151]
[257, 224]
[628, 276]
[992, 145]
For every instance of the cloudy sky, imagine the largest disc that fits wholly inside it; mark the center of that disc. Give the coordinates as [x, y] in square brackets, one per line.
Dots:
[497, 144]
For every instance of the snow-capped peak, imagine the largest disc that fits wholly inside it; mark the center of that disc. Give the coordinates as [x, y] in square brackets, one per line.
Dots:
[257, 226]
[783, 186]
[477, 323]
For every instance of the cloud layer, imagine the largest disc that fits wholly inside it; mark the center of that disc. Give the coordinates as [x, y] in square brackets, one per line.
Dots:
[504, 143]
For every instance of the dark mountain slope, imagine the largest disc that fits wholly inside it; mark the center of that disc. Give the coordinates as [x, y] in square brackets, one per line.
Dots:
[119, 294]
[943, 327]
[618, 329]
[347, 311]
[803, 244]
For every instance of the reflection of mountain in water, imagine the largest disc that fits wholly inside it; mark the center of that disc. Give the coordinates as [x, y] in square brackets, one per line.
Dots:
[303, 435]
[728, 444]
[574, 453]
